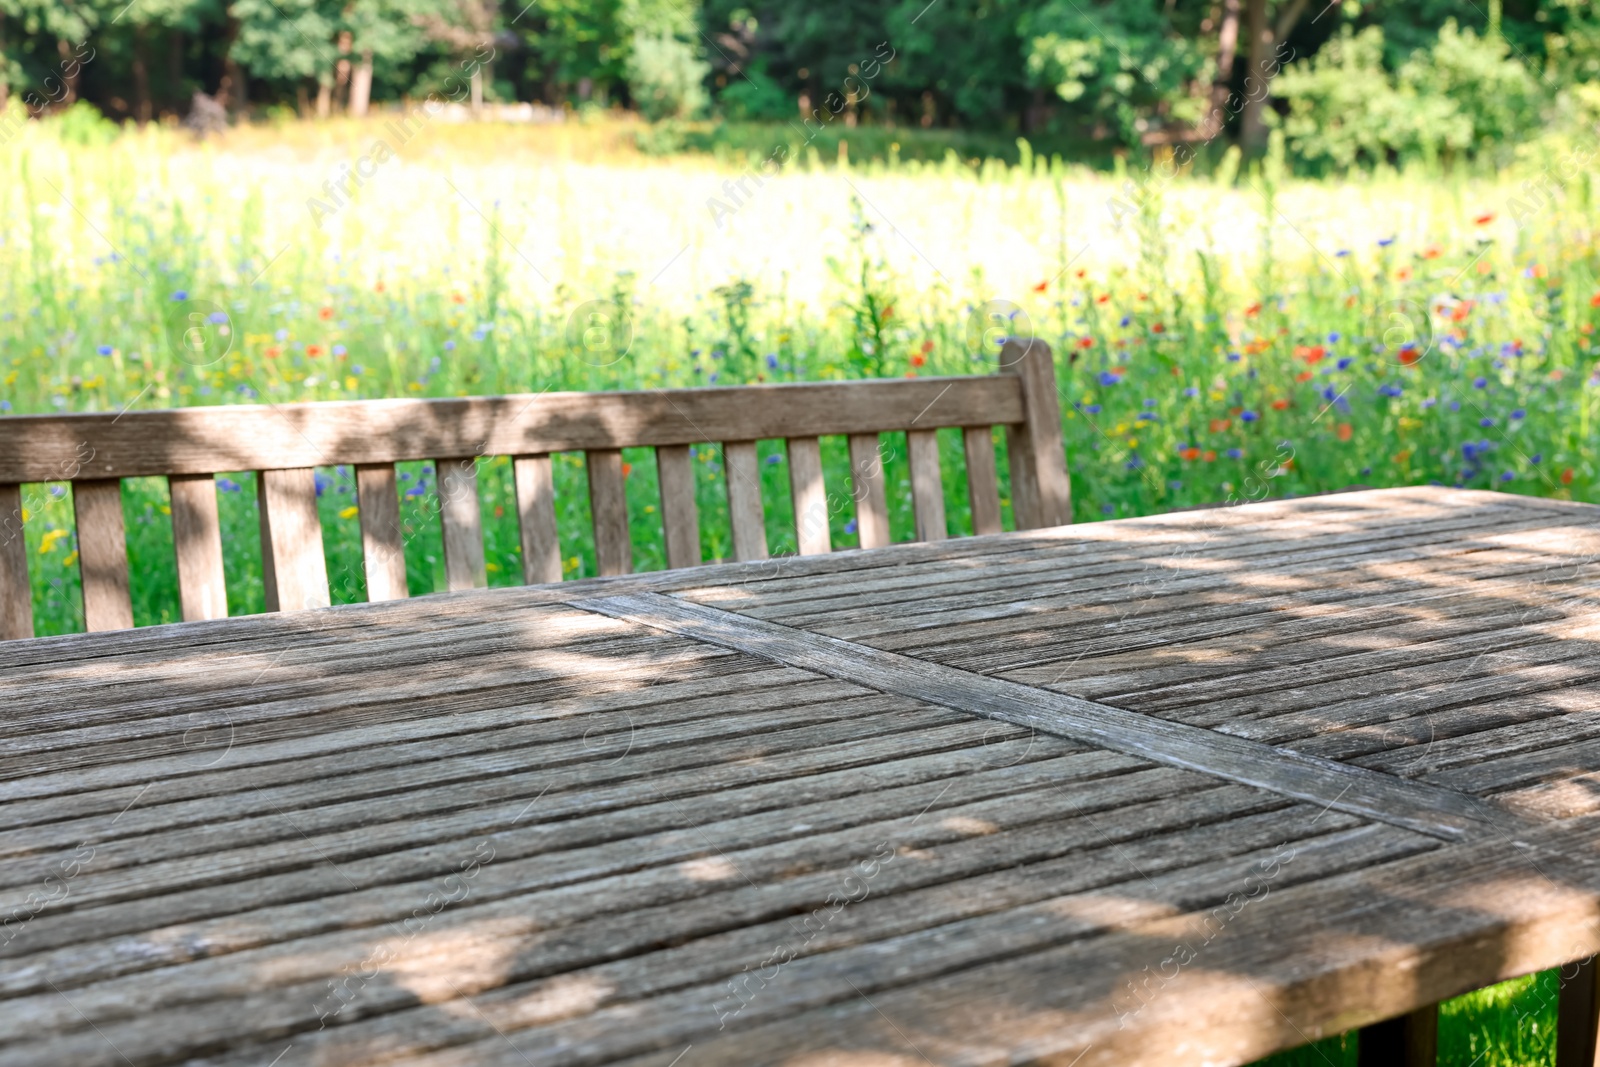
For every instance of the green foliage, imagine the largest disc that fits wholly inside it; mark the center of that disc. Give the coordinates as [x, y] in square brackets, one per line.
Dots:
[83, 125]
[1463, 95]
[1114, 61]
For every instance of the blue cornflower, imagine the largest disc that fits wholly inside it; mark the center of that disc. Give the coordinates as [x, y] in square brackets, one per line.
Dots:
[1125, 320]
[1234, 453]
[1093, 409]
[1234, 357]
[340, 350]
[1107, 509]
[1248, 416]
[1191, 391]
[1385, 242]
[1506, 476]
[1518, 413]
[1333, 338]
[1486, 422]
[772, 361]
[850, 527]
[1390, 390]
[1536, 458]
[773, 461]
[1342, 253]
[1480, 383]
[217, 318]
[227, 485]
[449, 346]
[181, 294]
[1107, 378]
[1343, 363]
[104, 350]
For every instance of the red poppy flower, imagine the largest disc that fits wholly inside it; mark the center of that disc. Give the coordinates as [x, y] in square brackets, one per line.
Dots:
[1484, 219]
[1219, 425]
[1343, 431]
[1210, 456]
[927, 346]
[1086, 342]
[1106, 297]
[313, 350]
[1190, 453]
[1041, 287]
[1303, 376]
[918, 359]
[1280, 404]
[1566, 476]
[1253, 309]
[325, 313]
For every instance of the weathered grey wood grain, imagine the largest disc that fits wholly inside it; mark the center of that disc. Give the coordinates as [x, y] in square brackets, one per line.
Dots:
[866, 485]
[1413, 510]
[742, 468]
[927, 484]
[102, 554]
[383, 547]
[462, 524]
[16, 596]
[294, 570]
[1040, 494]
[680, 513]
[536, 519]
[608, 503]
[810, 496]
[207, 440]
[983, 486]
[1274, 979]
[197, 542]
[1437, 812]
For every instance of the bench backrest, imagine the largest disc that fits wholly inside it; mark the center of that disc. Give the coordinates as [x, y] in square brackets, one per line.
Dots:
[284, 443]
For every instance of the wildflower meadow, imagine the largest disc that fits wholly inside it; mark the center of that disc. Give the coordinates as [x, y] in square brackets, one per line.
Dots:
[1220, 334]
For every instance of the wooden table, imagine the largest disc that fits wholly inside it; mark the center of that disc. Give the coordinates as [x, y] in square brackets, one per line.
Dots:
[1185, 789]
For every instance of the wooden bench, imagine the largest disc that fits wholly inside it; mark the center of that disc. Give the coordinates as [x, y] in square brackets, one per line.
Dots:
[284, 443]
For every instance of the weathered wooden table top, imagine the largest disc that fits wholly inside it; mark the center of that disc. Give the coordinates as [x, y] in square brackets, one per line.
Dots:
[1185, 789]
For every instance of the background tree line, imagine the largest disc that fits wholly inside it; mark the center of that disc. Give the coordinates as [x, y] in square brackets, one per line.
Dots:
[1350, 82]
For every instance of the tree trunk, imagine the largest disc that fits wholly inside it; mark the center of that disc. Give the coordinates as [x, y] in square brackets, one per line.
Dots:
[1227, 48]
[232, 89]
[324, 99]
[141, 76]
[71, 71]
[1252, 128]
[1264, 64]
[5, 84]
[477, 90]
[361, 86]
[341, 69]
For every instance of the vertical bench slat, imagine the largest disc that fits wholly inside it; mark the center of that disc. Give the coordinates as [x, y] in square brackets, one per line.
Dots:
[608, 500]
[983, 485]
[536, 518]
[866, 478]
[680, 515]
[383, 547]
[16, 597]
[810, 496]
[1578, 1016]
[743, 470]
[197, 542]
[102, 554]
[462, 523]
[292, 563]
[927, 484]
[1040, 490]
